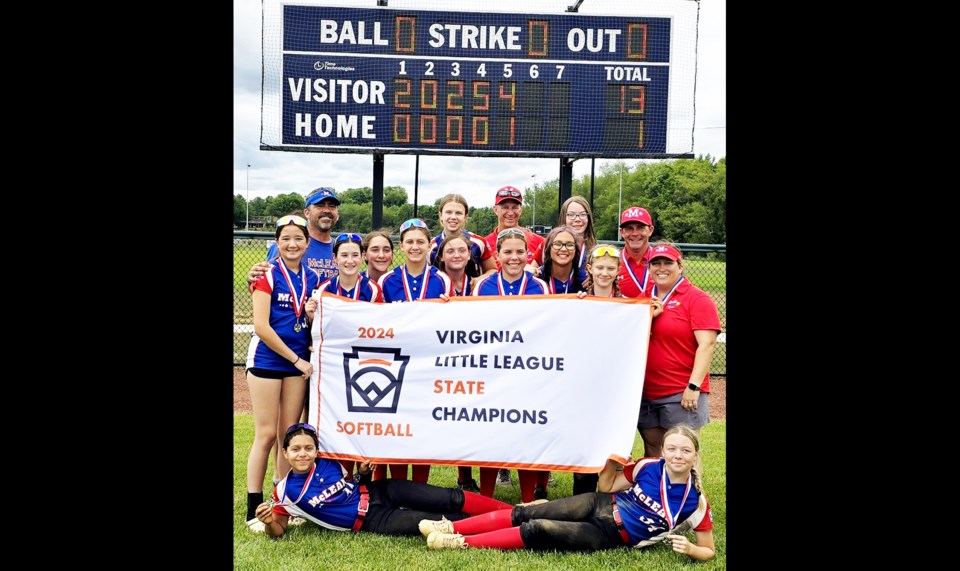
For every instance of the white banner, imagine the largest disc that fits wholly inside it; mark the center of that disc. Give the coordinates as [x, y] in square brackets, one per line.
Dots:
[540, 382]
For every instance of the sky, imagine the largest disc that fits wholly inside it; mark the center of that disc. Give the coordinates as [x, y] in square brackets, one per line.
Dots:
[477, 178]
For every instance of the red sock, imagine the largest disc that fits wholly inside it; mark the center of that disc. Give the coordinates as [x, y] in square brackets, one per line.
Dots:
[482, 523]
[464, 474]
[476, 504]
[398, 471]
[501, 539]
[380, 472]
[421, 473]
[528, 481]
[348, 466]
[543, 478]
[488, 481]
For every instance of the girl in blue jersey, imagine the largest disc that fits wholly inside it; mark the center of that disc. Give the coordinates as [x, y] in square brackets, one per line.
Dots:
[378, 252]
[512, 279]
[412, 281]
[648, 501]
[320, 491]
[349, 282]
[453, 219]
[560, 270]
[278, 361]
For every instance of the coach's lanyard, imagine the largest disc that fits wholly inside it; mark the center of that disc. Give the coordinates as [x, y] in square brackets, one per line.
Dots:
[408, 289]
[633, 275]
[669, 293]
[665, 500]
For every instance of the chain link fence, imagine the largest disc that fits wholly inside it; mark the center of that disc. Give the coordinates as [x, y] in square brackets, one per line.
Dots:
[704, 264]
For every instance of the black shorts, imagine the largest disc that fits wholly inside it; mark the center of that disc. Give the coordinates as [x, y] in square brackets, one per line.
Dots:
[270, 373]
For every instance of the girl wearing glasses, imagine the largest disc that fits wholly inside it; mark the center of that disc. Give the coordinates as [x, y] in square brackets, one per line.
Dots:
[640, 504]
[320, 491]
[575, 213]
[378, 252]
[560, 268]
[453, 219]
[278, 361]
[512, 279]
[412, 281]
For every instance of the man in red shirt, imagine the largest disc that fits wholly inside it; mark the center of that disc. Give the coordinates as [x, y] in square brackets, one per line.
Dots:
[508, 206]
[636, 227]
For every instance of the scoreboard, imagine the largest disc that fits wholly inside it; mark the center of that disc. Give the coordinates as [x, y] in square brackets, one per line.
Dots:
[465, 83]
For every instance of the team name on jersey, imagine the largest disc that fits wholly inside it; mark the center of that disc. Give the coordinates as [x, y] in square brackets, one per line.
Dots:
[328, 493]
[652, 504]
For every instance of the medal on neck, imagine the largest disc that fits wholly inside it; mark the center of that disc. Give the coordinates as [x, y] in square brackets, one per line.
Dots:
[503, 289]
[356, 289]
[669, 293]
[665, 501]
[408, 289]
[300, 299]
[646, 271]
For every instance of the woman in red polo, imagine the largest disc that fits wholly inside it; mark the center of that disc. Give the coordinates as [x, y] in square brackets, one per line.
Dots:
[682, 340]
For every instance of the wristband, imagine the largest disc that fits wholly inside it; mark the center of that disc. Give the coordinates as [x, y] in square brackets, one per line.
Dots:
[297, 361]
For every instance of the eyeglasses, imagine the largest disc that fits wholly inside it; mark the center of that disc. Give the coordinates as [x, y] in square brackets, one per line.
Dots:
[412, 223]
[511, 231]
[563, 245]
[349, 238]
[304, 425]
[291, 219]
[576, 215]
[605, 251]
[513, 193]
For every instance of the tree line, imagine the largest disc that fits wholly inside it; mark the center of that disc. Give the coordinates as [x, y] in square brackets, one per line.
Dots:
[687, 199]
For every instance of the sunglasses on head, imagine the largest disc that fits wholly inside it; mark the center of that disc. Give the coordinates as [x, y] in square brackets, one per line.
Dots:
[412, 223]
[509, 192]
[291, 219]
[605, 251]
[304, 425]
[349, 237]
[511, 231]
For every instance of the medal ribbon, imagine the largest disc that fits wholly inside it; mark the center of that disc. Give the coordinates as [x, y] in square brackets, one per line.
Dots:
[669, 293]
[297, 303]
[665, 501]
[356, 289]
[566, 284]
[502, 288]
[406, 286]
[306, 484]
[633, 275]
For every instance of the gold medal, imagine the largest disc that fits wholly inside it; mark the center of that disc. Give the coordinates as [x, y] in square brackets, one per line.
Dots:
[297, 328]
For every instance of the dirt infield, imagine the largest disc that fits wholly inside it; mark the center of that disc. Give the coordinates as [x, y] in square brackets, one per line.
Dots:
[718, 395]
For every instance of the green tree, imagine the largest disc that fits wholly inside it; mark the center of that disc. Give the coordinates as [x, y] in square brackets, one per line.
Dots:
[481, 221]
[393, 196]
[239, 210]
[283, 204]
[258, 206]
[362, 195]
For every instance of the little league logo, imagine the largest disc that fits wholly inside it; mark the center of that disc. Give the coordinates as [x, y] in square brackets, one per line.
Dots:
[373, 374]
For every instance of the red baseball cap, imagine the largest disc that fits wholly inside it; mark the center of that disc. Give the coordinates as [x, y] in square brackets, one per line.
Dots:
[508, 193]
[635, 214]
[665, 251]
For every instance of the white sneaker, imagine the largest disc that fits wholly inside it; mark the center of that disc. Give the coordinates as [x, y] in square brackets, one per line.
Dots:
[296, 521]
[439, 540]
[256, 526]
[428, 526]
[503, 478]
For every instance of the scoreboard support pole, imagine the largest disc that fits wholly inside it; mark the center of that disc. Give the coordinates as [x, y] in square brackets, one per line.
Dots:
[377, 221]
[566, 180]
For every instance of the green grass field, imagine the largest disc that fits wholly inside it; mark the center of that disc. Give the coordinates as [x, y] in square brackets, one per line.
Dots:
[312, 547]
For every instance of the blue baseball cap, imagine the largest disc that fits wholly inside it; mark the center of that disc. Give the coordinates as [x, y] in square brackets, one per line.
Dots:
[322, 193]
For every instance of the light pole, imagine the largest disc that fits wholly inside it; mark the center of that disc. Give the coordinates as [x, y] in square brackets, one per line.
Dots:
[248, 196]
[534, 201]
[619, 201]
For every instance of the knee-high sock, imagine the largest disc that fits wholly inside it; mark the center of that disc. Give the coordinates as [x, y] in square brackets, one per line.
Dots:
[488, 481]
[476, 504]
[483, 523]
[348, 466]
[421, 473]
[398, 471]
[528, 481]
[464, 474]
[501, 539]
[380, 472]
[543, 478]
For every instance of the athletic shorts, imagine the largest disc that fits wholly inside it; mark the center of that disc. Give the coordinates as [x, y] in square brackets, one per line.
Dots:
[271, 374]
[666, 412]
